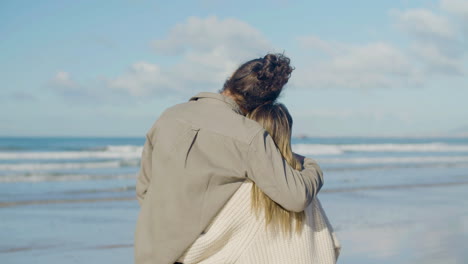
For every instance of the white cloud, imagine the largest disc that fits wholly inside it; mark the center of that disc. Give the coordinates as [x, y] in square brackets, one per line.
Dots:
[63, 79]
[141, 79]
[73, 91]
[424, 24]
[437, 47]
[436, 61]
[64, 85]
[210, 49]
[206, 51]
[374, 65]
[459, 7]
[232, 37]
[436, 41]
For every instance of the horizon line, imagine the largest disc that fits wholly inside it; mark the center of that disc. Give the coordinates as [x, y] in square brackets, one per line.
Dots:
[297, 136]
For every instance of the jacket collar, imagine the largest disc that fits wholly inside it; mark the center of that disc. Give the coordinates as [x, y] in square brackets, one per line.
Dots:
[217, 96]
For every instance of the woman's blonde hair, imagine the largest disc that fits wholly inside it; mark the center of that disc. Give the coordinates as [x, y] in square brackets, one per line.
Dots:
[277, 121]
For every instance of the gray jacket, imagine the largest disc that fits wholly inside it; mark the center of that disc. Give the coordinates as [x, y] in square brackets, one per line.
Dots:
[195, 157]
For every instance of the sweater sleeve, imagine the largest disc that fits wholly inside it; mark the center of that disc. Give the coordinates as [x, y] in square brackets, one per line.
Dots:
[292, 189]
[144, 175]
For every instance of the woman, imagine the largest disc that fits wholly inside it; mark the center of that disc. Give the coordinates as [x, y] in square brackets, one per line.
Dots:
[252, 228]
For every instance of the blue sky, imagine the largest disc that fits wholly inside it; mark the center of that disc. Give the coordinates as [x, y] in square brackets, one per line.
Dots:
[109, 68]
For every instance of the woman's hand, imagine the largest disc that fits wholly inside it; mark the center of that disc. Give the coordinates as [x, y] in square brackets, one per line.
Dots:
[299, 158]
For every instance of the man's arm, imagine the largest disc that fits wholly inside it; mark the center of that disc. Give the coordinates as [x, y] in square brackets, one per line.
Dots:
[292, 189]
[144, 175]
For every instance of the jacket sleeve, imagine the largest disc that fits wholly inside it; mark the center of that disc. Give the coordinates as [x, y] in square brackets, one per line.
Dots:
[144, 175]
[292, 189]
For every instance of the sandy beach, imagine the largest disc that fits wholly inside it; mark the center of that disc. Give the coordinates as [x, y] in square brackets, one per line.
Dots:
[425, 223]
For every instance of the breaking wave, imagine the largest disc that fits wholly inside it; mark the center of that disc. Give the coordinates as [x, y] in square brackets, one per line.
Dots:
[322, 149]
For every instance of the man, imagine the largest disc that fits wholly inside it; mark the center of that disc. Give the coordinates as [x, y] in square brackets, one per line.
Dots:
[197, 154]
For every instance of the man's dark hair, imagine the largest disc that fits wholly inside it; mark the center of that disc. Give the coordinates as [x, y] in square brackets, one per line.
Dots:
[259, 81]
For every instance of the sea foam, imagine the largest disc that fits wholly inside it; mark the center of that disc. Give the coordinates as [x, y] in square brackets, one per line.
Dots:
[110, 152]
[323, 149]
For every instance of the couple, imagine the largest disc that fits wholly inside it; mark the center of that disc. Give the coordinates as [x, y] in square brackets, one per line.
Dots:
[219, 183]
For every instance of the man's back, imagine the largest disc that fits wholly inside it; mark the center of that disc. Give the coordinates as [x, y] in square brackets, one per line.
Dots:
[196, 156]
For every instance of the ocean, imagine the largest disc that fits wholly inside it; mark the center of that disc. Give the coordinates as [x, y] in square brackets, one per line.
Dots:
[71, 199]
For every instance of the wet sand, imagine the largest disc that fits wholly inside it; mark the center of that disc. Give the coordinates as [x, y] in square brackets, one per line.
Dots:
[331, 190]
[412, 223]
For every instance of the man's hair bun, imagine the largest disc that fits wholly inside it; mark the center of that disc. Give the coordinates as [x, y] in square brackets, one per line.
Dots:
[275, 71]
[259, 81]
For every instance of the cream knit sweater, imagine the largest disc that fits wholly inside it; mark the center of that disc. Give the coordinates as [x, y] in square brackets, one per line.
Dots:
[236, 236]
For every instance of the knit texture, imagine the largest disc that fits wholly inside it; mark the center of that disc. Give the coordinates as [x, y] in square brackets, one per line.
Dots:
[236, 235]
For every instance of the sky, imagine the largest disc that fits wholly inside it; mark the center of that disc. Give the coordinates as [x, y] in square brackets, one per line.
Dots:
[110, 68]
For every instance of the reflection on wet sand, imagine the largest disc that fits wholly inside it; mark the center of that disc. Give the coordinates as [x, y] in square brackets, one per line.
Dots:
[395, 223]
[402, 226]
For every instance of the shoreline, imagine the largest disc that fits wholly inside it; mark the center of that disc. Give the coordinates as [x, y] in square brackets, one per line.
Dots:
[23, 249]
[329, 191]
